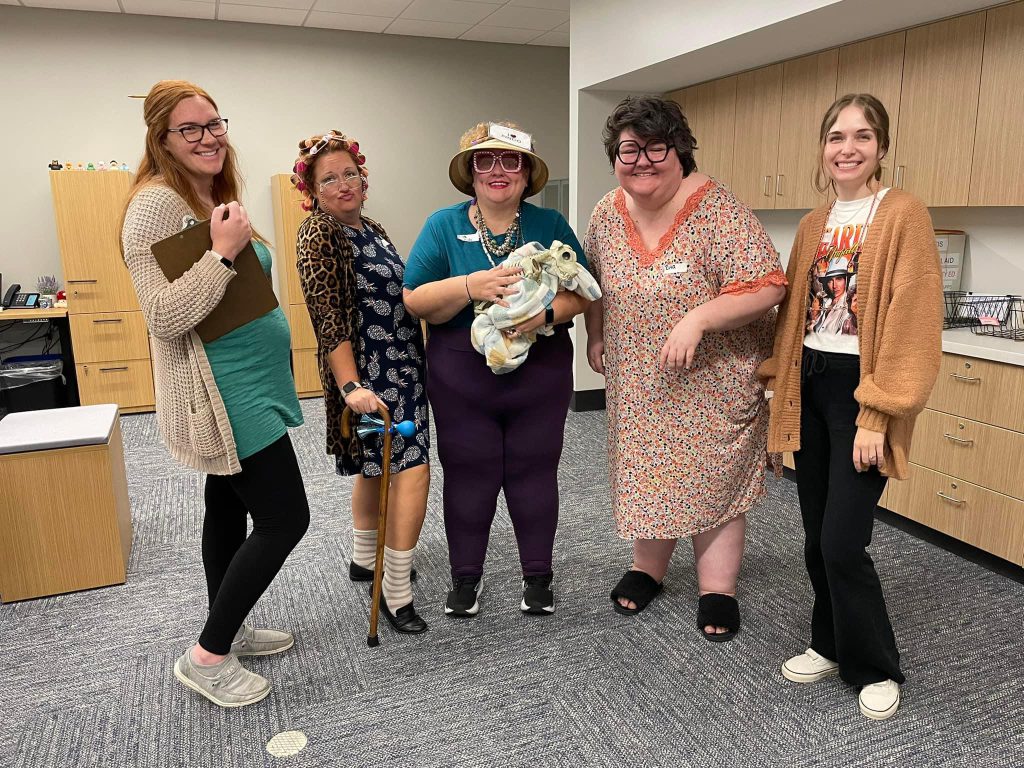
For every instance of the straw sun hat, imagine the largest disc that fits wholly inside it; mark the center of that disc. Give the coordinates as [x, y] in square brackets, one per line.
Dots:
[499, 138]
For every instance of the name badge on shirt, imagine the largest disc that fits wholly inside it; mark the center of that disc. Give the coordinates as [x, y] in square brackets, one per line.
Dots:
[678, 268]
[472, 238]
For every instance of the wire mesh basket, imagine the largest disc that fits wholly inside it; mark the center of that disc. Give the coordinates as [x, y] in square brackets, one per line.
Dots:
[953, 317]
[1003, 318]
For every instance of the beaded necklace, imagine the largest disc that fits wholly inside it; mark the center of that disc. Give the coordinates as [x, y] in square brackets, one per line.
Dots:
[489, 245]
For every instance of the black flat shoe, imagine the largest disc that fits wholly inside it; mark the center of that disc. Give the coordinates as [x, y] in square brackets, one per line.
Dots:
[405, 619]
[358, 573]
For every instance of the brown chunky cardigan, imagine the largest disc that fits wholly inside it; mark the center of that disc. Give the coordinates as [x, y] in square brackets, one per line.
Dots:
[899, 327]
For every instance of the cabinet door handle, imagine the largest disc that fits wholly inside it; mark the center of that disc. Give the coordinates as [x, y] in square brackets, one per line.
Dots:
[778, 185]
[119, 368]
[900, 172]
[81, 281]
[956, 439]
[967, 379]
[767, 186]
[941, 495]
[110, 320]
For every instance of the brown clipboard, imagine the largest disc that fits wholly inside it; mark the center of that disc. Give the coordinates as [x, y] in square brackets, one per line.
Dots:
[249, 295]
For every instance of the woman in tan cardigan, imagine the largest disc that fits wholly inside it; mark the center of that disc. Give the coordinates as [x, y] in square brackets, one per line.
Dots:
[848, 378]
[223, 406]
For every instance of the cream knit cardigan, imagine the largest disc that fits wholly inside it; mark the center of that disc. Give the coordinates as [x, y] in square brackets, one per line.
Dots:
[189, 408]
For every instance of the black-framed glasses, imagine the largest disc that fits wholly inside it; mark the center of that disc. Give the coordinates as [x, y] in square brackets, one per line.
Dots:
[629, 151]
[193, 134]
[484, 161]
[352, 180]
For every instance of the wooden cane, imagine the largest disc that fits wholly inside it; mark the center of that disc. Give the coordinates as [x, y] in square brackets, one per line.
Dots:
[382, 516]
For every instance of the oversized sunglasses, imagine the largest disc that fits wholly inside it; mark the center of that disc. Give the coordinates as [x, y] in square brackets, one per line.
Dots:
[511, 162]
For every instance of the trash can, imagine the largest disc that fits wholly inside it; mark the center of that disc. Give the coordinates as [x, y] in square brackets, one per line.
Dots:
[33, 383]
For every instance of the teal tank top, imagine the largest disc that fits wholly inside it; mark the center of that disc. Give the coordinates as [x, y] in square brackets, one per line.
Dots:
[252, 368]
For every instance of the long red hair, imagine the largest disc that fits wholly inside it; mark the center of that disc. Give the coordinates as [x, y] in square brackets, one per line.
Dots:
[158, 165]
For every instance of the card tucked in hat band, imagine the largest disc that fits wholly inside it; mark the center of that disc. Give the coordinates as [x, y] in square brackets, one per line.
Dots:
[511, 136]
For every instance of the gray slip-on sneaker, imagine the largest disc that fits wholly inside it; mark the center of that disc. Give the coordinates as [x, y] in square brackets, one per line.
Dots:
[227, 684]
[261, 642]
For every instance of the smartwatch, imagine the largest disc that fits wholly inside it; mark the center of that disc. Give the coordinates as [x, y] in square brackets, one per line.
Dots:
[227, 262]
[549, 316]
[349, 387]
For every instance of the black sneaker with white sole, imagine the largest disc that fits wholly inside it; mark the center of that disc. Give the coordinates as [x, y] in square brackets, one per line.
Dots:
[462, 600]
[538, 598]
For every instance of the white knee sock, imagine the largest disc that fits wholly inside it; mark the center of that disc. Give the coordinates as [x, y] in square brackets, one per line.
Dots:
[397, 586]
[364, 547]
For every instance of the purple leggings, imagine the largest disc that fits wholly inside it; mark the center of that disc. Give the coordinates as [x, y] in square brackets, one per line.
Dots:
[499, 432]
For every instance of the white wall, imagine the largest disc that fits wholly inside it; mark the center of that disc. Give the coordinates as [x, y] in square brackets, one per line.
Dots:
[67, 77]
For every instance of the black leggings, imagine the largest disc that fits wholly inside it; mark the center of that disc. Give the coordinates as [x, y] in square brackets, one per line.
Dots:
[849, 622]
[239, 569]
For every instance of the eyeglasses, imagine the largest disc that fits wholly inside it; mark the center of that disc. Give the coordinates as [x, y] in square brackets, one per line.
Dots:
[629, 151]
[324, 142]
[511, 162]
[352, 180]
[193, 134]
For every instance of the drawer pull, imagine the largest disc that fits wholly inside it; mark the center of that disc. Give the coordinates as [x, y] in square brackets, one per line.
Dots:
[119, 368]
[81, 281]
[110, 320]
[941, 495]
[969, 379]
[956, 439]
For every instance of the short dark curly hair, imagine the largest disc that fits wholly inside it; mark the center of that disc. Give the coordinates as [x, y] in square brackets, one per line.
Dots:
[651, 117]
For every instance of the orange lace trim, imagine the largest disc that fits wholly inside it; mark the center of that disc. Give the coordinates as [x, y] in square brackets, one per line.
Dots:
[636, 243]
[778, 277]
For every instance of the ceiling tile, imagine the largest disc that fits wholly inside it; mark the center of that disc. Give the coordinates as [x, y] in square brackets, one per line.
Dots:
[110, 6]
[527, 18]
[389, 8]
[284, 16]
[560, 39]
[554, 5]
[186, 8]
[297, 5]
[500, 34]
[426, 28]
[457, 11]
[351, 21]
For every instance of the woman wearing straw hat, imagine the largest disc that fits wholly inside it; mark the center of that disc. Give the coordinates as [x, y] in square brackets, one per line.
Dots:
[494, 432]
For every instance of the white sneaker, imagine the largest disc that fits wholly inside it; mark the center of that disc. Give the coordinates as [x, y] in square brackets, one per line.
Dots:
[260, 642]
[879, 701]
[808, 667]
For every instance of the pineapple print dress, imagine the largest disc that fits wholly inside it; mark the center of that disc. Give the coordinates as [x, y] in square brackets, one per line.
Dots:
[389, 352]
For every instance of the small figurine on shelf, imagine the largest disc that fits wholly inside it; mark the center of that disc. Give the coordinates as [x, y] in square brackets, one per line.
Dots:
[124, 167]
[90, 167]
[62, 299]
[68, 167]
[79, 167]
[102, 166]
[55, 165]
[112, 166]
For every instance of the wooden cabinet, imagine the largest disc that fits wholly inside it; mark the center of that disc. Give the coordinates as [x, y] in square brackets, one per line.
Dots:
[710, 110]
[967, 458]
[756, 136]
[951, 89]
[808, 90]
[288, 215]
[939, 109]
[108, 333]
[997, 170]
[875, 66]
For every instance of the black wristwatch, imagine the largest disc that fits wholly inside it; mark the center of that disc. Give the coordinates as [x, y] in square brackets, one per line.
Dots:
[549, 316]
[349, 387]
[227, 262]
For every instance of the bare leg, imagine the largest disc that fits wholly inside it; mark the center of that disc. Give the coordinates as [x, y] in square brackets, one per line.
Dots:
[407, 505]
[650, 556]
[718, 554]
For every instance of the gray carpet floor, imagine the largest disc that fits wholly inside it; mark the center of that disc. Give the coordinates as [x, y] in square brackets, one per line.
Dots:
[87, 681]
